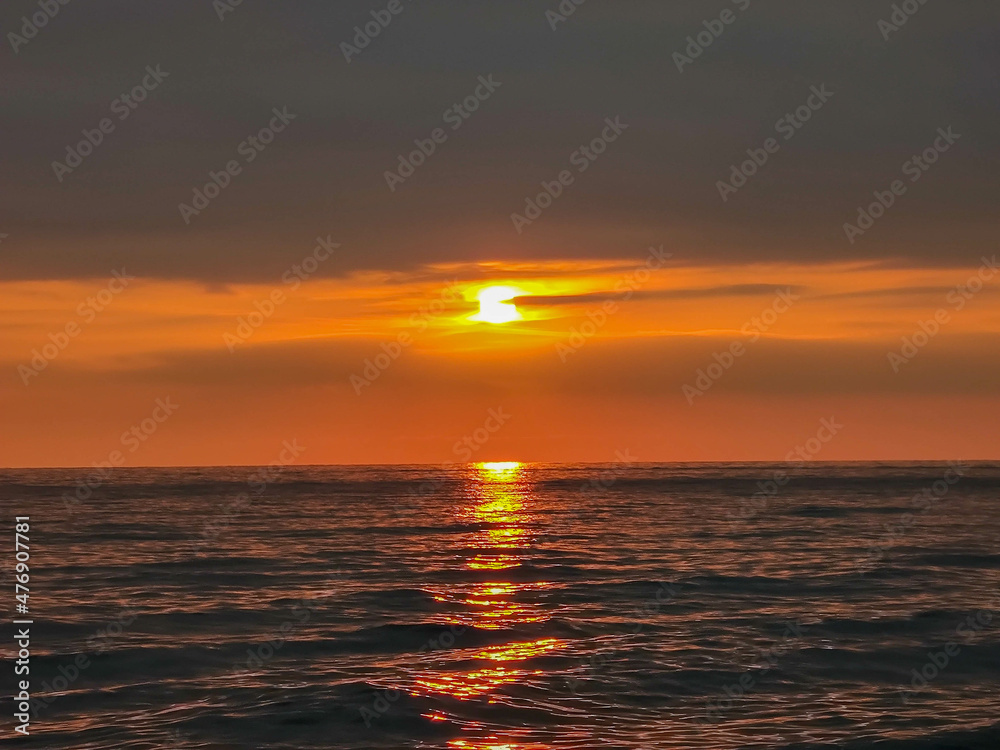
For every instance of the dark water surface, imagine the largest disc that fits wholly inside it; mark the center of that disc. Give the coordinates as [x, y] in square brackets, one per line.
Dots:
[514, 607]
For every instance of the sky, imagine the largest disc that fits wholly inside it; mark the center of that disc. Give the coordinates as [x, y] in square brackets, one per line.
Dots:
[230, 227]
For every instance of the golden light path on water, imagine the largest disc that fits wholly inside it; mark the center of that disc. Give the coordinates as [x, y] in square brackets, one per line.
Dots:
[498, 506]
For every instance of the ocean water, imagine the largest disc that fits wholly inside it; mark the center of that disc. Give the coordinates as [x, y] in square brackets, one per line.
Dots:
[513, 607]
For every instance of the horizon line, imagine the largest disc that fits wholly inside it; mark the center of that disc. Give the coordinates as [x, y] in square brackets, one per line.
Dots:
[450, 464]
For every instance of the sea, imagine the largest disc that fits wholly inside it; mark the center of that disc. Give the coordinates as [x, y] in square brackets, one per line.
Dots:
[510, 606]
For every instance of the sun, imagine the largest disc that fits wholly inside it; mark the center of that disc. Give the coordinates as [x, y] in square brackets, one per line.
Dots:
[494, 306]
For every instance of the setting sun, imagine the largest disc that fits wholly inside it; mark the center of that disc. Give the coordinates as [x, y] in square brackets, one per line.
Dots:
[514, 398]
[494, 306]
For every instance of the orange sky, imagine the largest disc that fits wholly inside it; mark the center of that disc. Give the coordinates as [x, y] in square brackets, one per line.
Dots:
[771, 313]
[820, 352]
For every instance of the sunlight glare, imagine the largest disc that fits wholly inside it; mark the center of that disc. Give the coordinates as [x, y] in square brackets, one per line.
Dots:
[494, 306]
[499, 467]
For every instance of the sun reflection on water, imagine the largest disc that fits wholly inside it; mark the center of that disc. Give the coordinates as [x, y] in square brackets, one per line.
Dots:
[494, 743]
[500, 467]
[498, 505]
[498, 510]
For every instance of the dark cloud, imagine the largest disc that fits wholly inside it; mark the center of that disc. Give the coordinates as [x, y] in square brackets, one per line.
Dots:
[324, 175]
[904, 291]
[731, 290]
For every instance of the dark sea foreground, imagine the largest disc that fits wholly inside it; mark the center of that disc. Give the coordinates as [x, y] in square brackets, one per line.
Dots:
[513, 607]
